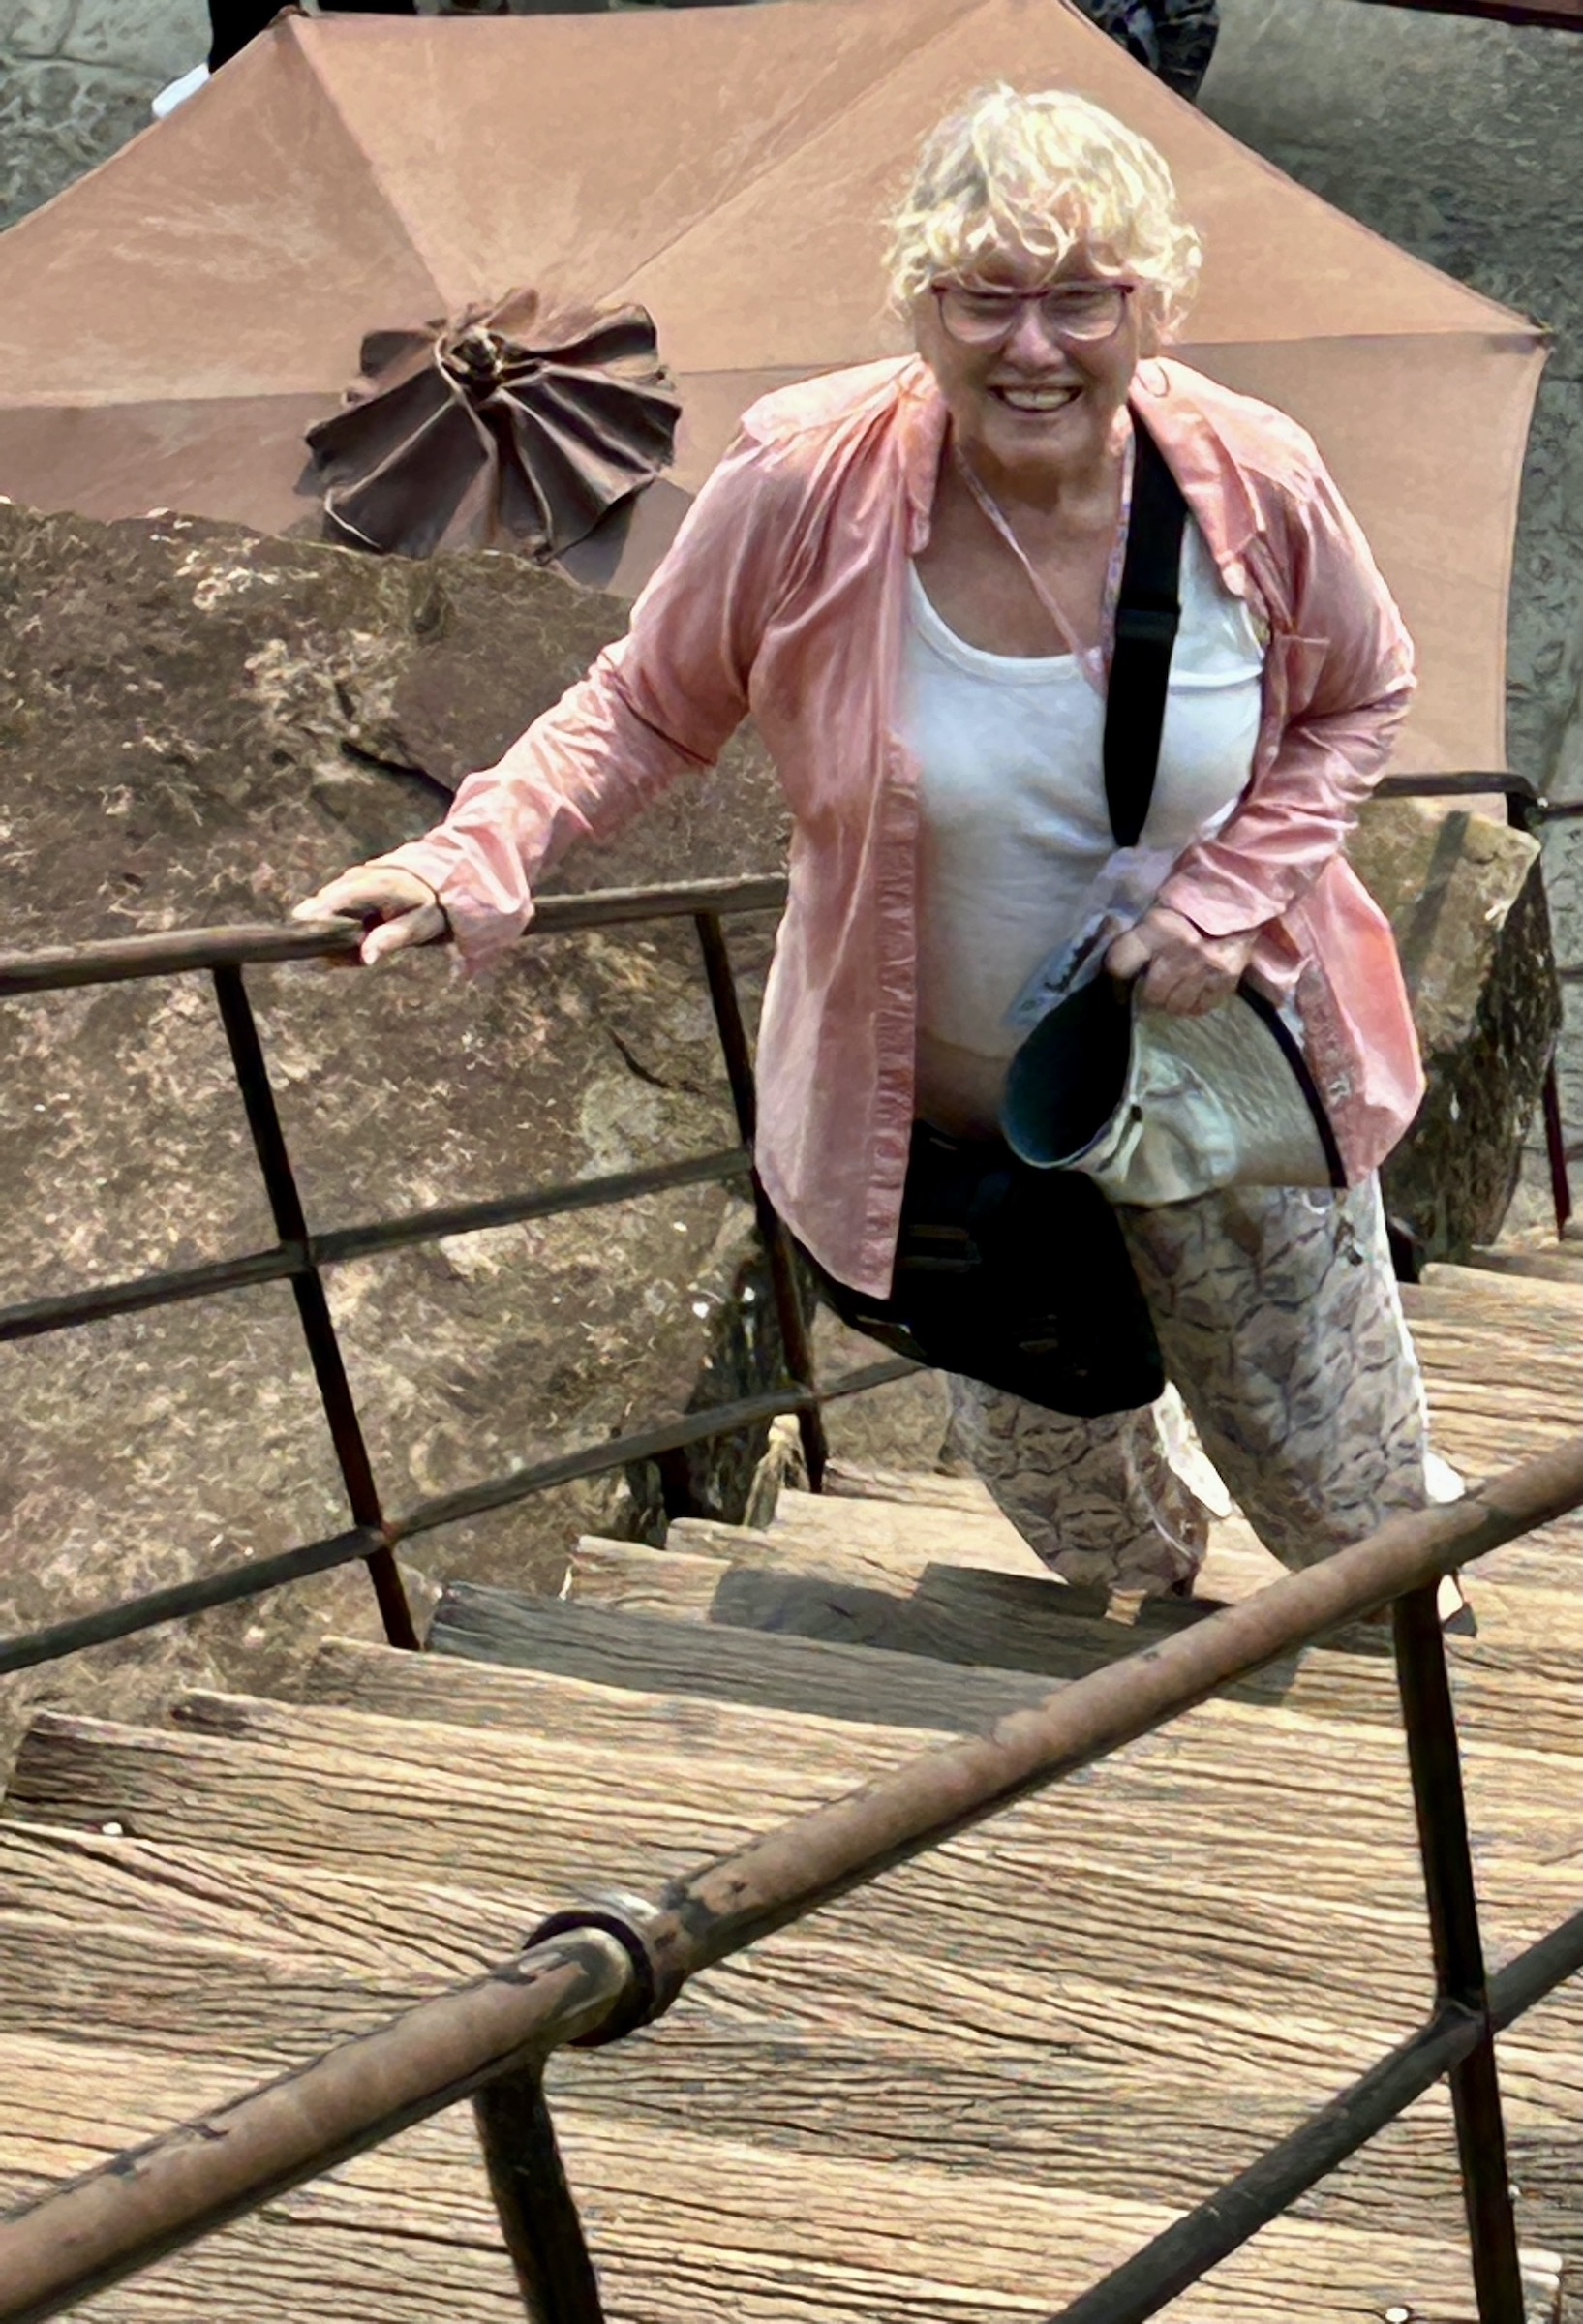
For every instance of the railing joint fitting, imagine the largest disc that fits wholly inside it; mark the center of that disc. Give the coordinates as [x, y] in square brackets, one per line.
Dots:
[622, 1917]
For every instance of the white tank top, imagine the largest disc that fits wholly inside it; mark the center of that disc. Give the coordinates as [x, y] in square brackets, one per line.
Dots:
[1013, 823]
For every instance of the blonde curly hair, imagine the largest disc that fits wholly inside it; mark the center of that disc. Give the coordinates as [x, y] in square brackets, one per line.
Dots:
[1049, 173]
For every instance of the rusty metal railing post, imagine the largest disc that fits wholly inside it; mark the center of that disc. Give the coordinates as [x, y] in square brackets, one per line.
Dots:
[313, 1306]
[538, 2210]
[1555, 1152]
[772, 1227]
[1525, 810]
[1430, 1721]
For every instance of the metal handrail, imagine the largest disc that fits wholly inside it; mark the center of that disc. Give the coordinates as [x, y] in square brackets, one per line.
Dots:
[299, 1256]
[114, 960]
[615, 1969]
[595, 1975]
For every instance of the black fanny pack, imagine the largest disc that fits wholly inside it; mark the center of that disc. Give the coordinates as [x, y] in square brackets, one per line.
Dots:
[1015, 1276]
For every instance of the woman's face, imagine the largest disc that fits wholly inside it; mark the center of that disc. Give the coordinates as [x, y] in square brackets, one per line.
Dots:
[1035, 401]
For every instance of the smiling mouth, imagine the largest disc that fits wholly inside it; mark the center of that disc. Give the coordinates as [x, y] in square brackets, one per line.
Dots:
[1036, 400]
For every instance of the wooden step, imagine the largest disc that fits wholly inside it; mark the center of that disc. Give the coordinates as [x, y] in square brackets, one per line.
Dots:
[1237, 1889]
[684, 2224]
[1543, 1263]
[902, 1537]
[1269, 1776]
[868, 1541]
[1503, 1359]
[824, 1676]
[1515, 1694]
[1545, 1259]
[297, 1974]
[450, 1690]
[663, 1657]
[1235, 1565]
[879, 1547]
[995, 2112]
[1507, 1300]
[350, 1943]
[930, 1488]
[909, 1532]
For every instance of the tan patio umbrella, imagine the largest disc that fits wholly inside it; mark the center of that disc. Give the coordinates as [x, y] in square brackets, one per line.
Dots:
[171, 326]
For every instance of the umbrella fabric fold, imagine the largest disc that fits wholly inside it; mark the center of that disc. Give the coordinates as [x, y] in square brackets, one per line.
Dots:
[512, 426]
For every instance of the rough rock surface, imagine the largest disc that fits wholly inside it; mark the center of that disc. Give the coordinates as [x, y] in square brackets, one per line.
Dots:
[196, 728]
[1466, 899]
[76, 81]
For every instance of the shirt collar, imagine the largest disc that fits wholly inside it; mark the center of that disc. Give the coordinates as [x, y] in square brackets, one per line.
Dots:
[1162, 397]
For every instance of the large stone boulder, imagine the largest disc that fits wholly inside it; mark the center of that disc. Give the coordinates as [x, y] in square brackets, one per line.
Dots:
[1466, 897]
[197, 726]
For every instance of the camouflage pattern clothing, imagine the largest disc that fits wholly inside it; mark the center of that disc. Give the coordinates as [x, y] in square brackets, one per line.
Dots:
[1281, 1327]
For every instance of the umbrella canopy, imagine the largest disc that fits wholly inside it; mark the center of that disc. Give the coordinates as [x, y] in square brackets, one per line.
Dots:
[171, 326]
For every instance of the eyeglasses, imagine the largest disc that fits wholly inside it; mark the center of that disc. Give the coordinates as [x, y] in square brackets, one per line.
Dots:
[1075, 314]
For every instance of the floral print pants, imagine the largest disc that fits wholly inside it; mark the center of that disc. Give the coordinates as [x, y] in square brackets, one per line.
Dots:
[1281, 1327]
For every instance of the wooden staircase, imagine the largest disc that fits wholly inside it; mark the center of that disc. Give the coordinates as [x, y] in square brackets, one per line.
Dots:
[954, 2098]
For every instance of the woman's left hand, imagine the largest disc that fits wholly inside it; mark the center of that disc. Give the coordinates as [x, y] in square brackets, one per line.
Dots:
[1184, 971]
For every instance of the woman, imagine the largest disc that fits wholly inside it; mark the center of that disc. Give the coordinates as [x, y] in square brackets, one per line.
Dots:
[906, 573]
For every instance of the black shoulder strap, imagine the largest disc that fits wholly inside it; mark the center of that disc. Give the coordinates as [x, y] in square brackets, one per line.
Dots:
[1149, 610]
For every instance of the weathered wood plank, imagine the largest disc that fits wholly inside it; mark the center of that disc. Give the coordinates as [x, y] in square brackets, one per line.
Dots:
[670, 1656]
[271, 2271]
[897, 1535]
[626, 1578]
[1443, 1284]
[982, 1619]
[1503, 1359]
[1196, 1889]
[928, 1488]
[1005, 1997]
[818, 1982]
[414, 1934]
[1255, 1948]
[1278, 1770]
[843, 1602]
[1274, 1775]
[172, 1946]
[872, 1551]
[687, 2225]
[904, 1535]
[1549, 1262]
[452, 1689]
[779, 2083]
[663, 1657]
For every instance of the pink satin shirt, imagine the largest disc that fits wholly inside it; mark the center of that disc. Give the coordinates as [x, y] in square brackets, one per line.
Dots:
[783, 599]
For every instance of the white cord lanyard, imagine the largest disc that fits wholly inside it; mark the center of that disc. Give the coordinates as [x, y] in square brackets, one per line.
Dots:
[1094, 662]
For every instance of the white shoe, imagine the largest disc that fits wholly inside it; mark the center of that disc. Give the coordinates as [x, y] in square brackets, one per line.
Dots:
[1441, 1482]
[178, 92]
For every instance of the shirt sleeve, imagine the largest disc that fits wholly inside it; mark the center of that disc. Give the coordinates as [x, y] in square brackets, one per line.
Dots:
[1345, 671]
[663, 700]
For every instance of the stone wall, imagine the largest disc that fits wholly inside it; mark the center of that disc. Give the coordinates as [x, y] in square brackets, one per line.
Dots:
[1467, 902]
[197, 726]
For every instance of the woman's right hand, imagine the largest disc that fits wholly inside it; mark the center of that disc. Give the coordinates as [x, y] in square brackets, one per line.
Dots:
[396, 908]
